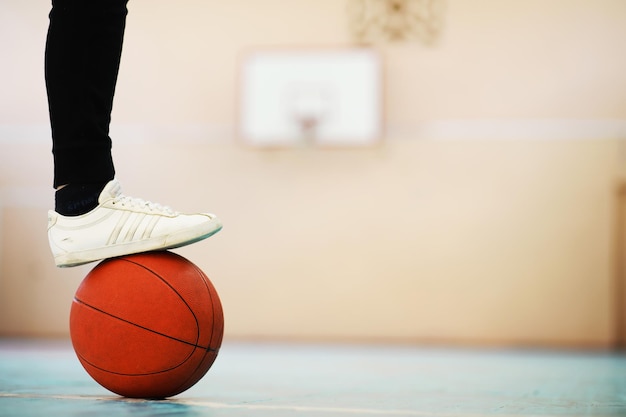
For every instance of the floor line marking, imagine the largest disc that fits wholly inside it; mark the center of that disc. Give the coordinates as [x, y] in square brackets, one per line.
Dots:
[261, 407]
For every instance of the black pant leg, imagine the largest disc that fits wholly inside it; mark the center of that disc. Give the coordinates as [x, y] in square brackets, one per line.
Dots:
[83, 50]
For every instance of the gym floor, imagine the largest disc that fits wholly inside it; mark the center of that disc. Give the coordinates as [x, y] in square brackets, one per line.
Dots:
[44, 378]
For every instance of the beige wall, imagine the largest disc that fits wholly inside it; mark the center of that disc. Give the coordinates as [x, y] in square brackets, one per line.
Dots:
[489, 215]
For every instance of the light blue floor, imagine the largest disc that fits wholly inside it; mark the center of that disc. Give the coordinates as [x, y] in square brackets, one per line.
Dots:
[44, 379]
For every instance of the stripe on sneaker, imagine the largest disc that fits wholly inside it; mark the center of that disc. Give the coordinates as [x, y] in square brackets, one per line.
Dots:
[118, 228]
[130, 233]
[150, 227]
[133, 227]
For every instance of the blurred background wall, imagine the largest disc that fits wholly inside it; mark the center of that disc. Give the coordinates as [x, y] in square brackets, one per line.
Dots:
[491, 214]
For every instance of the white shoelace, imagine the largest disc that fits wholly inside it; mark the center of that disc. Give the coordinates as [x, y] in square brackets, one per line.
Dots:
[133, 202]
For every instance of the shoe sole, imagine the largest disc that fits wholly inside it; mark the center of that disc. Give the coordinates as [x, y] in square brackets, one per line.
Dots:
[177, 240]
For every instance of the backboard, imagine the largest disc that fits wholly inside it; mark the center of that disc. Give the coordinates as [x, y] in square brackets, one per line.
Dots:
[326, 96]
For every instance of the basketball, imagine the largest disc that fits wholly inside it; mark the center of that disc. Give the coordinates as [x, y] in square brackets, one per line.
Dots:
[146, 326]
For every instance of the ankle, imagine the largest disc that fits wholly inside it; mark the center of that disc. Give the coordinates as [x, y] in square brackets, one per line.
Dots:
[77, 199]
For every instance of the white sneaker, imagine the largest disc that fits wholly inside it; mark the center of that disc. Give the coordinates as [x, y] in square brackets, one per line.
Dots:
[123, 225]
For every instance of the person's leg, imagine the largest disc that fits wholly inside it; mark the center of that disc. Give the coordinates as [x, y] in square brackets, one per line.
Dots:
[82, 59]
[92, 219]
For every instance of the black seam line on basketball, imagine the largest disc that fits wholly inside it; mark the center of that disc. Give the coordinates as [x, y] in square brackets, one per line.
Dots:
[172, 288]
[185, 383]
[81, 357]
[206, 286]
[144, 327]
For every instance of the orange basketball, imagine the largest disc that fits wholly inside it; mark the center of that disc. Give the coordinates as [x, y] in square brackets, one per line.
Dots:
[148, 325]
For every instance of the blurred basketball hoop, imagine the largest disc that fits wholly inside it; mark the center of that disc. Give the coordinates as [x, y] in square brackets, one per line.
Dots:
[309, 104]
[329, 96]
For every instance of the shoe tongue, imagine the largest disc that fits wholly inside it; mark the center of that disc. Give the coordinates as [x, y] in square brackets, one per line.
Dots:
[111, 190]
